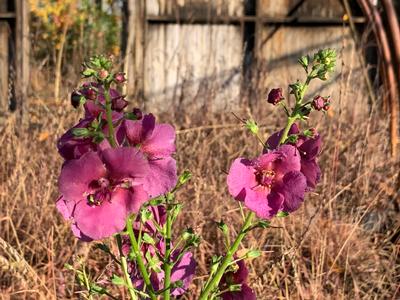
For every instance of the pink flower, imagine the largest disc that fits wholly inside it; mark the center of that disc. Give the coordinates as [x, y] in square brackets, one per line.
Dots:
[270, 183]
[309, 148]
[99, 190]
[237, 277]
[157, 143]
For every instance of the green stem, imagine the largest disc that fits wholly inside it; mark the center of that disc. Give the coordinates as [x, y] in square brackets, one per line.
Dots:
[111, 136]
[124, 266]
[139, 260]
[295, 116]
[212, 285]
[167, 258]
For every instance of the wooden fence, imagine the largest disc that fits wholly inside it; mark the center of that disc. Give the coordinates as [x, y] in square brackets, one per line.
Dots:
[14, 54]
[179, 49]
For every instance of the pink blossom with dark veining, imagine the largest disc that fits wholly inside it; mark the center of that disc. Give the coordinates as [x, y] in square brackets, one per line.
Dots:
[99, 190]
[309, 148]
[237, 277]
[270, 183]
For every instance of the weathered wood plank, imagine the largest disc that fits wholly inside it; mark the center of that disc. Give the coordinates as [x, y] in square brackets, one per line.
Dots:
[278, 59]
[182, 62]
[4, 32]
[321, 8]
[205, 8]
[22, 53]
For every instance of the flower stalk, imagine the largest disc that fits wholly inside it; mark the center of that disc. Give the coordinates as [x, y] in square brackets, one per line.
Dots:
[213, 283]
[111, 136]
[124, 267]
[139, 259]
[167, 258]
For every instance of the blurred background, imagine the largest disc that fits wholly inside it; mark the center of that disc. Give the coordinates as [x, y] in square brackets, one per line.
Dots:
[193, 63]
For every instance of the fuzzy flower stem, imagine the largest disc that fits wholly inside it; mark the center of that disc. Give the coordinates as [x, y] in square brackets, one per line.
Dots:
[167, 259]
[295, 116]
[124, 266]
[111, 136]
[212, 285]
[139, 260]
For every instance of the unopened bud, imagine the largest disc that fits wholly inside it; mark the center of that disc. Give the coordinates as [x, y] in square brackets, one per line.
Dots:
[76, 99]
[318, 102]
[103, 74]
[118, 103]
[119, 77]
[90, 94]
[138, 113]
[275, 96]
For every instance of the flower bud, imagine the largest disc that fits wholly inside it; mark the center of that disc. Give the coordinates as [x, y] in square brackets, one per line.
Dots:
[275, 96]
[118, 103]
[119, 77]
[318, 103]
[90, 94]
[76, 99]
[103, 74]
[138, 113]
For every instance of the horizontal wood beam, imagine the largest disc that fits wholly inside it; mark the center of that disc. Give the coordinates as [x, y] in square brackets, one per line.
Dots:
[7, 15]
[291, 21]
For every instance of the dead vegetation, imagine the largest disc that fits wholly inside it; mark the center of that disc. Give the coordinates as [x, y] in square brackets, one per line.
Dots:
[342, 244]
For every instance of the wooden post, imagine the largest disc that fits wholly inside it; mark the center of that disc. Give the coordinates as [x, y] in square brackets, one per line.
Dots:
[22, 53]
[134, 53]
[4, 59]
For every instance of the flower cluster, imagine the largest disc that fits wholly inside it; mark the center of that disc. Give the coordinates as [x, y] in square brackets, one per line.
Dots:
[108, 175]
[278, 179]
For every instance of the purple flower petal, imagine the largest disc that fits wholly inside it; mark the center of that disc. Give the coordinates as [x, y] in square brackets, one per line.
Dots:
[293, 188]
[273, 140]
[101, 221]
[310, 147]
[241, 175]
[65, 207]
[161, 177]
[125, 162]
[184, 270]
[162, 142]
[137, 197]
[265, 206]
[77, 174]
[289, 159]
[311, 171]
[245, 293]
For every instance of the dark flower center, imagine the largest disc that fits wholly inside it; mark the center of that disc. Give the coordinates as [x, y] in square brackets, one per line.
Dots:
[265, 178]
[101, 191]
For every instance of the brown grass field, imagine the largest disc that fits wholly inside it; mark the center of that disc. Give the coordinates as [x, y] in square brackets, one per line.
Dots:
[342, 244]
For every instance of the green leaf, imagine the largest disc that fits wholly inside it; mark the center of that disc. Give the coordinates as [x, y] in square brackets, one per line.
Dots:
[282, 214]
[253, 254]
[69, 267]
[223, 227]
[252, 126]
[89, 72]
[117, 280]
[184, 177]
[263, 224]
[148, 239]
[80, 132]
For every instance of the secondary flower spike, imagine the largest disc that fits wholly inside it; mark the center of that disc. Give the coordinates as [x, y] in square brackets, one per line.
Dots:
[270, 183]
[99, 190]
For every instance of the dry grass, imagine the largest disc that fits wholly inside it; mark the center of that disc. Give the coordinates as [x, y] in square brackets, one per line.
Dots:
[342, 244]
